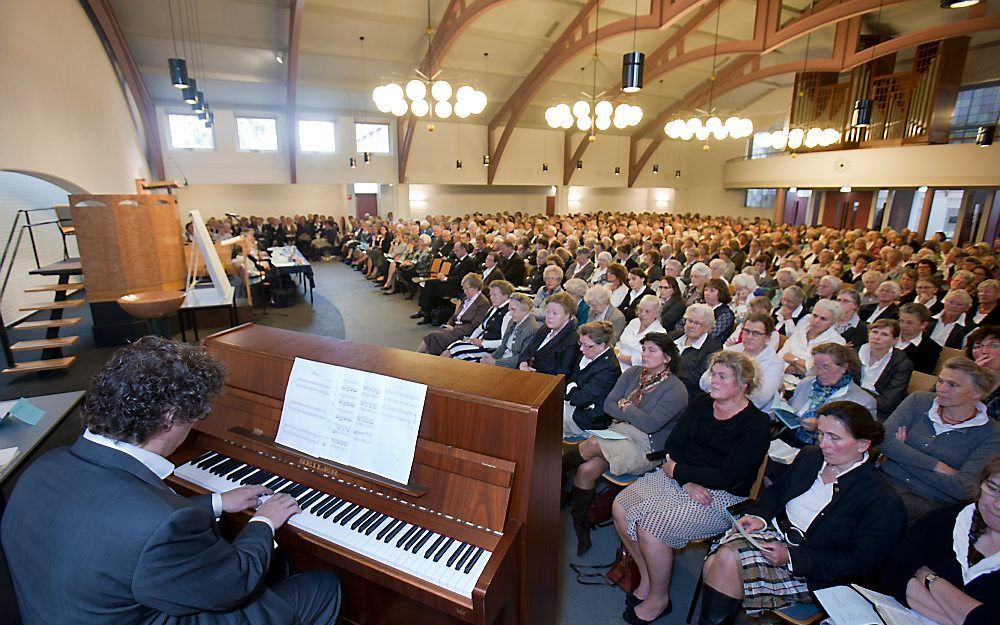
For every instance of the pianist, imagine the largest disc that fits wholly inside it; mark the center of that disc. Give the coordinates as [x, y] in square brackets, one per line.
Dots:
[93, 535]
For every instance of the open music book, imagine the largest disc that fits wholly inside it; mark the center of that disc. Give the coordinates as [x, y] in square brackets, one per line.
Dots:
[361, 419]
[854, 605]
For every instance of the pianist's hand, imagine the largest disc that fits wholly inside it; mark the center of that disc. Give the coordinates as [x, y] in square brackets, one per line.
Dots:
[243, 497]
[279, 509]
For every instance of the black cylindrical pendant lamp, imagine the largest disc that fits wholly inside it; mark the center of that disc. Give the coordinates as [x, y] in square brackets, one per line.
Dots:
[458, 164]
[199, 105]
[211, 120]
[352, 162]
[632, 63]
[486, 160]
[618, 171]
[178, 72]
[862, 117]
[579, 164]
[367, 158]
[545, 166]
[656, 168]
[191, 91]
[984, 138]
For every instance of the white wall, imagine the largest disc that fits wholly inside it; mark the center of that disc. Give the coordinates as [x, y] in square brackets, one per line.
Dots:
[428, 199]
[63, 112]
[263, 200]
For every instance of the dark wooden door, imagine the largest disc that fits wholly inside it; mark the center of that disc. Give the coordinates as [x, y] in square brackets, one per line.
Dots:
[366, 204]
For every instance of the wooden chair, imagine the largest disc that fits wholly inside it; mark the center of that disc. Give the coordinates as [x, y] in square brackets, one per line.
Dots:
[435, 268]
[781, 341]
[445, 268]
[947, 353]
[921, 382]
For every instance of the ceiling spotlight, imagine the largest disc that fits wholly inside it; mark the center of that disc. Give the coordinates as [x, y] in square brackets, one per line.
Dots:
[191, 91]
[632, 63]
[845, 189]
[957, 4]
[618, 171]
[545, 166]
[277, 57]
[352, 162]
[486, 160]
[677, 173]
[178, 72]
[656, 168]
[579, 164]
[367, 158]
[458, 164]
[984, 138]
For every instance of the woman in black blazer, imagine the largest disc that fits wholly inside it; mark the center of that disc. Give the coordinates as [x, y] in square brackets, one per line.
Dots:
[672, 305]
[554, 347]
[591, 379]
[637, 290]
[888, 385]
[913, 339]
[859, 520]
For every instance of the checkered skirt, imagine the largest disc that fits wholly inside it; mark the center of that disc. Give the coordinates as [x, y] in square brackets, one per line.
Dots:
[765, 586]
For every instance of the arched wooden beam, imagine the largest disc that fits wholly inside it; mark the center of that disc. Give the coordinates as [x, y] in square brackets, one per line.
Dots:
[458, 15]
[295, 10]
[575, 39]
[103, 18]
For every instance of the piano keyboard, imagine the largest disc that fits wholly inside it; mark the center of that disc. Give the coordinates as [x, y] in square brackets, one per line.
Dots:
[445, 562]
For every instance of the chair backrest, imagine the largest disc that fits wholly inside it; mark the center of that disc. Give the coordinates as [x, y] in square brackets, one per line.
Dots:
[445, 268]
[63, 214]
[921, 382]
[947, 353]
[781, 341]
[758, 484]
[436, 265]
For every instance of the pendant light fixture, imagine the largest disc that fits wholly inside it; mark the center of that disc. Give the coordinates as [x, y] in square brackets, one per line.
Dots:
[486, 160]
[352, 162]
[863, 108]
[458, 164]
[190, 92]
[545, 166]
[177, 64]
[656, 168]
[632, 62]
[957, 4]
[366, 157]
[579, 165]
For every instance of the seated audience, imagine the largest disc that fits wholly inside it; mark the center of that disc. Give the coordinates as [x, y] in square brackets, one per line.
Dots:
[987, 312]
[913, 340]
[870, 282]
[830, 519]
[949, 327]
[790, 310]
[469, 313]
[415, 264]
[947, 565]
[885, 370]
[699, 273]
[671, 305]
[827, 288]
[629, 349]
[517, 334]
[600, 275]
[713, 456]
[937, 443]
[577, 289]
[759, 304]
[716, 295]
[486, 337]
[837, 369]
[553, 349]
[851, 326]
[598, 298]
[797, 350]
[491, 269]
[582, 268]
[744, 286]
[907, 285]
[695, 346]
[884, 307]
[983, 346]
[928, 294]
[445, 285]
[617, 284]
[637, 289]
[757, 330]
[553, 276]
[591, 379]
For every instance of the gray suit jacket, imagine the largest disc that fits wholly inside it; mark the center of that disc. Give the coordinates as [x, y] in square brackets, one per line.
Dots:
[524, 331]
[616, 318]
[92, 536]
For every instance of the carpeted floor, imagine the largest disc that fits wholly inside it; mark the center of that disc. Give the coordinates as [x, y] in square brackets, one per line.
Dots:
[348, 307]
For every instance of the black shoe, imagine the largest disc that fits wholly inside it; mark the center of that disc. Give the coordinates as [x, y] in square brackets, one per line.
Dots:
[717, 608]
[631, 600]
[424, 321]
[418, 315]
[630, 616]
[582, 498]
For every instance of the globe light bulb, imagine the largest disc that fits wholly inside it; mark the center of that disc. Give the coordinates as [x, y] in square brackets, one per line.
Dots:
[713, 122]
[465, 92]
[762, 140]
[603, 109]
[442, 109]
[399, 108]
[581, 108]
[478, 103]
[441, 91]
[779, 139]
[381, 99]
[416, 90]
[583, 123]
[420, 107]
[693, 124]
[552, 117]
[620, 121]
[462, 109]
[603, 123]
[394, 93]
[702, 133]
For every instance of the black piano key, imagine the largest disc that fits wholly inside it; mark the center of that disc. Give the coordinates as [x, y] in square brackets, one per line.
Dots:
[209, 461]
[295, 489]
[275, 482]
[472, 562]
[406, 535]
[374, 525]
[420, 543]
[434, 546]
[350, 515]
[361, 519]
[444, 548]
[343, 513]
[303, 495]
[253, 478]
[413, 539]
[311, 498]
[313, 505]
[336, 508]
[465, 556]
[239, 474]
[372, 520]
[329, 507]
[224, 467]
[285, 486]
[454, 555]
[319, 503]
[204, 456]
[388, 528]
[392, 534]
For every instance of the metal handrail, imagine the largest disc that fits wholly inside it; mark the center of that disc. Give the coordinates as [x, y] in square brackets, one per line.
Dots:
[10, 267]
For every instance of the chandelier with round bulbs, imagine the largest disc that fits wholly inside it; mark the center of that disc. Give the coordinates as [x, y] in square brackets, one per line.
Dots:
[694, 128]
[392, 98]
[797, 137]
[601, 116]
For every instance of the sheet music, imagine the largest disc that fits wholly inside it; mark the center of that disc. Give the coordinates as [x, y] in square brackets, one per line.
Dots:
[854, 605]
[365, 420]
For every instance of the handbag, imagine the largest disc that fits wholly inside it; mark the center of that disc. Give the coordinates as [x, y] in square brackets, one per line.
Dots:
[622, 573]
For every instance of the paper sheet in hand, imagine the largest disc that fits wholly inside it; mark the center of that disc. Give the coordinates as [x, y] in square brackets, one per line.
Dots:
[608, 435]
[6, 455]
[739, 528]
[786, 414]
[26, 412]
[365, 420]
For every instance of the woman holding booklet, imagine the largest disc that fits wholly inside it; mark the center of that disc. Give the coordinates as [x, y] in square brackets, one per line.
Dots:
[832, 518]
[947, 566]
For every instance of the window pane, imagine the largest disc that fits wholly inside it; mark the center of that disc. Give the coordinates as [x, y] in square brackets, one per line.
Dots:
[372, 138]
[316, 136]
[187, 132]
[366, 187]
[760, 198]
[257, 133]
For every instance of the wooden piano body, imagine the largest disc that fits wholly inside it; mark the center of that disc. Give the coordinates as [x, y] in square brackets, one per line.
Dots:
[487, 454]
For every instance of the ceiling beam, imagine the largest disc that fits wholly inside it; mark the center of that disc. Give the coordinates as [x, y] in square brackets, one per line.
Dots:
[103, 18]
[575, 38]
[295, 10]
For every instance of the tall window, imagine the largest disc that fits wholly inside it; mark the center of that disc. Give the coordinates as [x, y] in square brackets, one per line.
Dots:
[257, 134]
[974, 107]
[372, 138]
[317, 136]
[760, 198]
[187, 132]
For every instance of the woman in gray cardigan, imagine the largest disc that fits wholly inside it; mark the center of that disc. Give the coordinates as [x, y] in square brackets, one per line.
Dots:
[936, 444]
[643, 405]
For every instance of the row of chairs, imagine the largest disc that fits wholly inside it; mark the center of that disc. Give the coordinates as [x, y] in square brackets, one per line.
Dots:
[922, 382]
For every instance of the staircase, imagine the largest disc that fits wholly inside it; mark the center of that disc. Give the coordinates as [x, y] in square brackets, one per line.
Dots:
[52, 311]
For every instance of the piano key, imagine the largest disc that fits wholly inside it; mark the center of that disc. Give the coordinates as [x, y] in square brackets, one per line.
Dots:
[329, 507]
[451, 559]
[465, 556]
[431, 549]
[337, 508]
[363, 528]
[420, 543]
[207, 461]
[475, 556]
[388, 528]
[445, 547]
[361, 519]
[395, 531]
[317, 503]
[374, 525]
[413, 539]
[406, 535]
[204, 456]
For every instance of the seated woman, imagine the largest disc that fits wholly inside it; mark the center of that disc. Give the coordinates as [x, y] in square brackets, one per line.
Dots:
[790, 311]
[469, 313]
[744, 286]
[913, 340]
[885, 370]
[938, 443]
[486, 337]
[399, 249]
[637, 289]
[716, 296]
[598, 298]
[672, 304]
[851, 326]
[591, 380]
[629, 347]
[713, 456]
[757, 330]
[983, 346]
[600, 275]
[491, 269]
[517, 333]
[643, 406]
[762, 305]
[553, 348]
[577, 289]
[617, 279]
[987, 312]
[947, 566]
[929, 293]
[949, 327]
[695, 347]
[818, 329]
[416, 265]
[831, 519]
[553, 276]
[837, 367]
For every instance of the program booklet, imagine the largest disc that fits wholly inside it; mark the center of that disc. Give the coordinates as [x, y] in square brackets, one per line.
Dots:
[855, 605]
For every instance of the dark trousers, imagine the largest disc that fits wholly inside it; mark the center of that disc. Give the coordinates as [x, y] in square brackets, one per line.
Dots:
[313, 596]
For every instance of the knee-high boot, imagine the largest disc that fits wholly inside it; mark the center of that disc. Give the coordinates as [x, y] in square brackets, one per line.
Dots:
[717, 608]
[582, 498]
[571, 459]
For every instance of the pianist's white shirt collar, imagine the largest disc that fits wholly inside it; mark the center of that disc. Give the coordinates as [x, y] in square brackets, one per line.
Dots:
[154, 462]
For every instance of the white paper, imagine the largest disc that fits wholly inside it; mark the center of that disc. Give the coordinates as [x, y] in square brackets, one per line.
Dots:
[782, 452]
[847, 607]
[7, 455]
[892, 611]
[365, 420]
[608, 435]
[742, 532]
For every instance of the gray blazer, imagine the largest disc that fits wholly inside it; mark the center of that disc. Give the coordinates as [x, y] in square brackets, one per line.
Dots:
[521, 335]
[657, 414]
[616, 318]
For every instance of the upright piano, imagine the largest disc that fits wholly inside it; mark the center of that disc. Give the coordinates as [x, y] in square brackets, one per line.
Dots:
[472, 538]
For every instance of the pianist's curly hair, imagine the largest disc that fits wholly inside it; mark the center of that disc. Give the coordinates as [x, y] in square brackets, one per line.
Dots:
[145, 381]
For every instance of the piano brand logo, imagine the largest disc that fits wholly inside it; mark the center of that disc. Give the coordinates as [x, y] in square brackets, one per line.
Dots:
[317, 466]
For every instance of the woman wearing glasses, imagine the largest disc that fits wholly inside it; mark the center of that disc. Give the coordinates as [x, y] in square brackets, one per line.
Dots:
[695, 346]
[647, 320]
[947, 566]
[830, 519]
[983, 347]
[757, 330]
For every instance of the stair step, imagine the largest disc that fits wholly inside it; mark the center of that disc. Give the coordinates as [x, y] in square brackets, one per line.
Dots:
[41, 365]
[69, 303]
[48, 323]
[62, 341]
[72, 286]
[68, 229]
